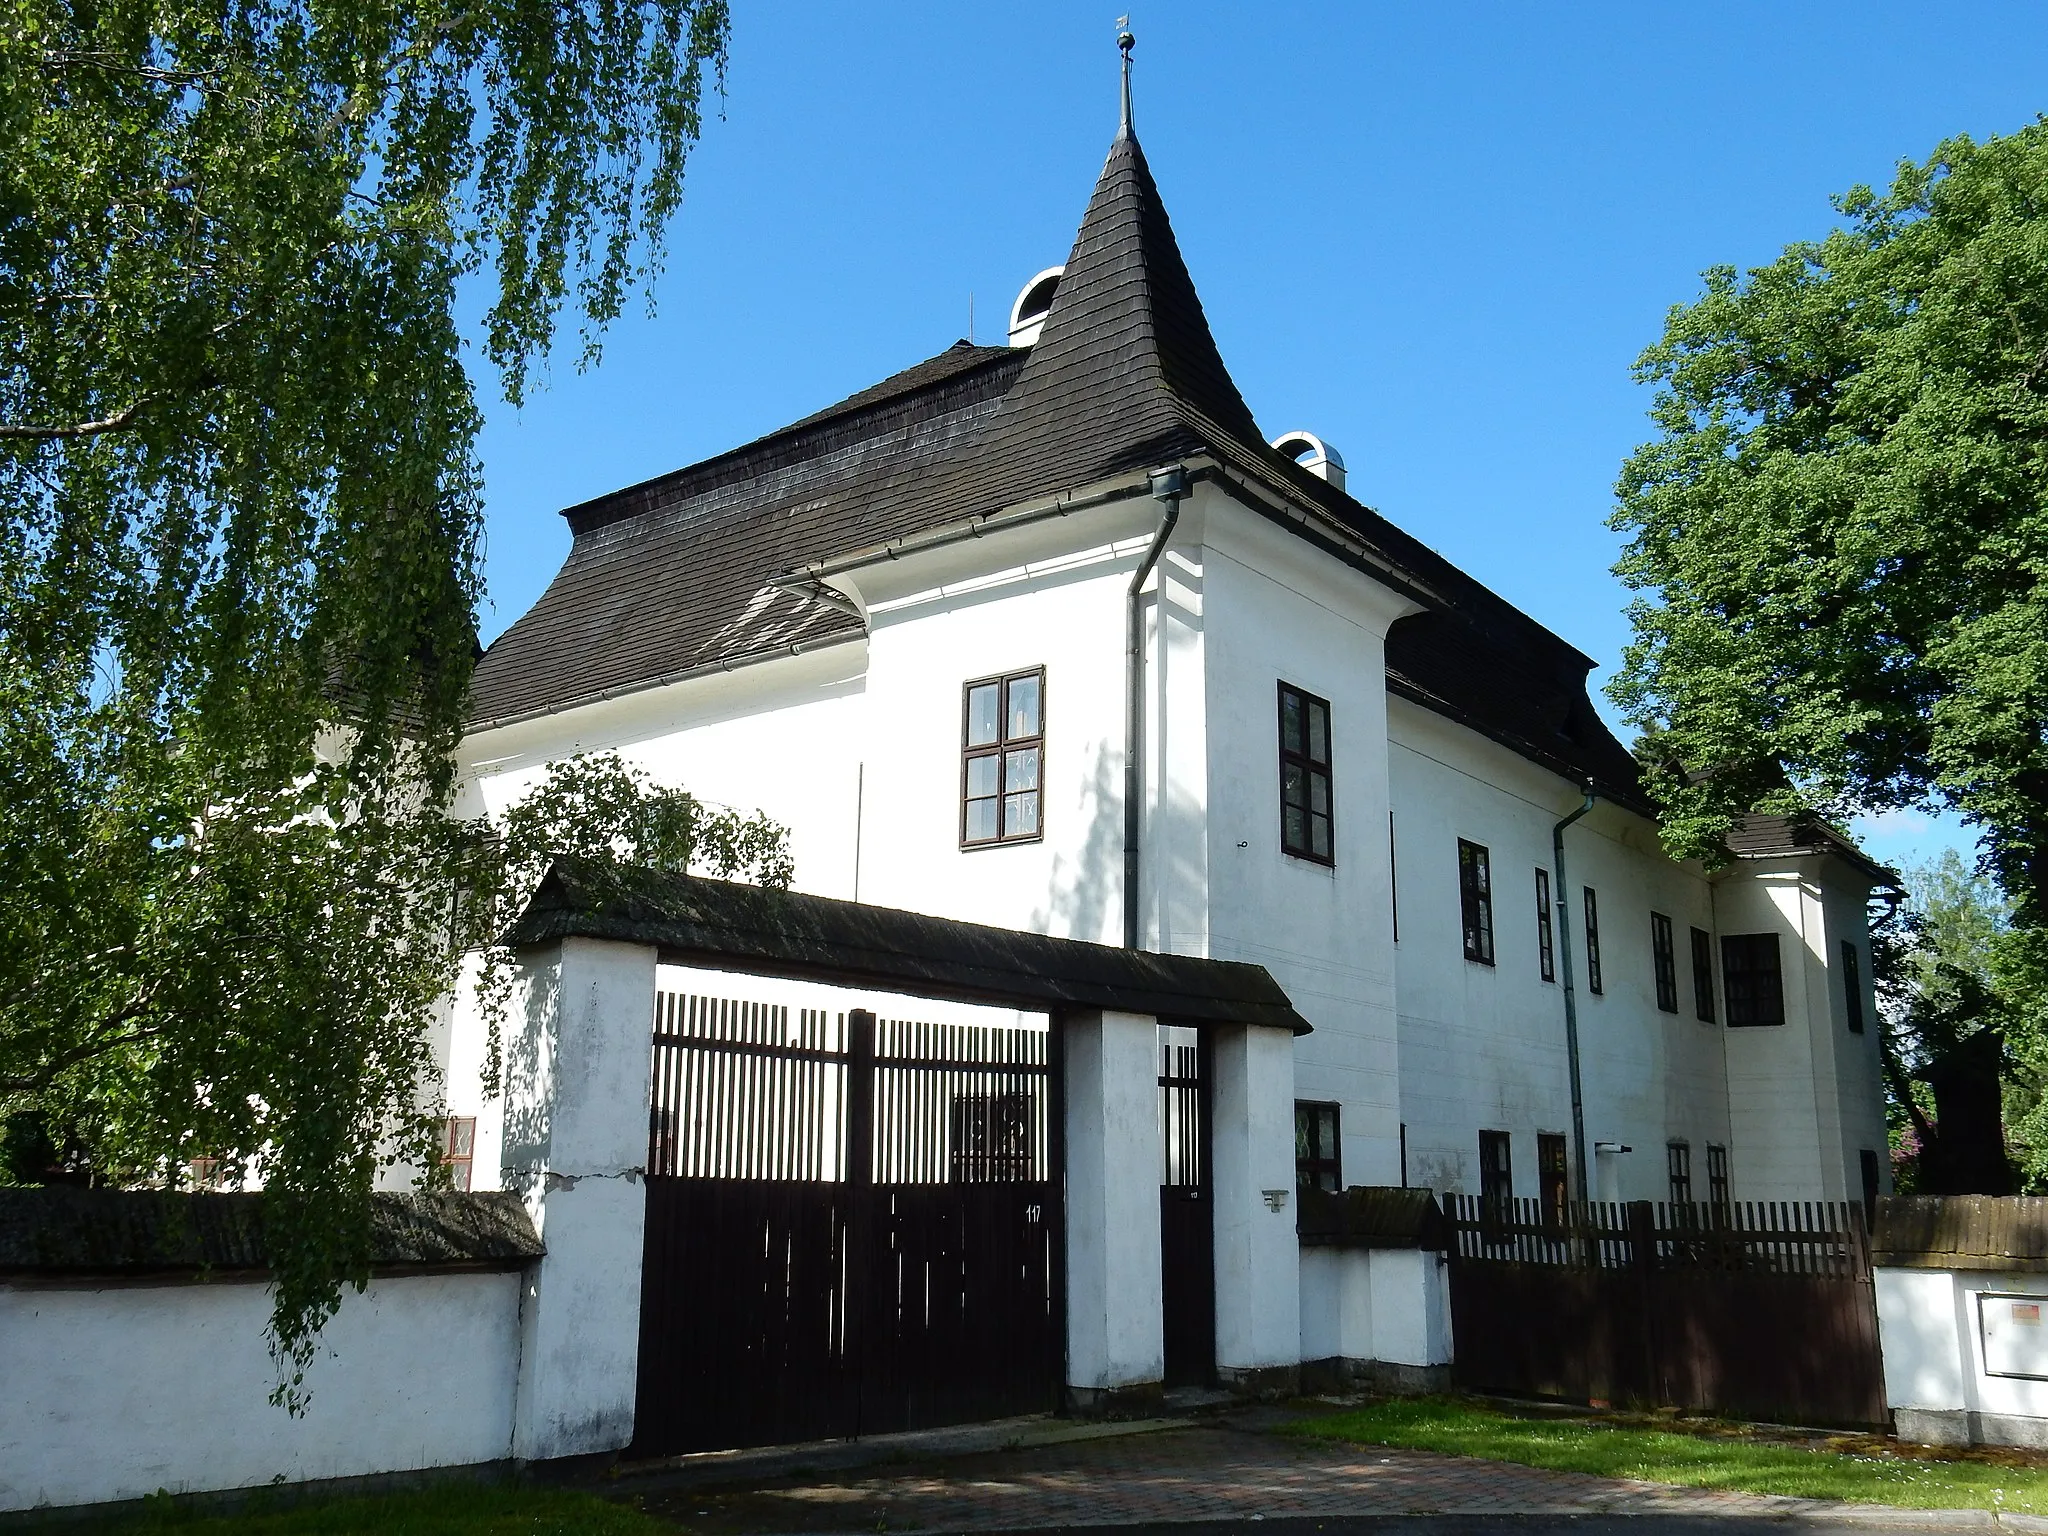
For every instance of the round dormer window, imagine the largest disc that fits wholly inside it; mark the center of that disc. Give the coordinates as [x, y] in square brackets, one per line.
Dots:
[1034, 303]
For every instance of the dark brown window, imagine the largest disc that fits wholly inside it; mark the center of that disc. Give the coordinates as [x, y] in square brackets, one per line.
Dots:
[1678, 1166]
[1717, 1179]
[1318, 1164]
[1002, 752]
[1305, 776]
[1496, 1170]
[1751, 980]
[1663, 951]
[1866, 1163]
[1852, 986]
[1546, 947]
[1475, 901]
[1553, 1174]
[458, 1148]
[1703, 974]
[1592, 943]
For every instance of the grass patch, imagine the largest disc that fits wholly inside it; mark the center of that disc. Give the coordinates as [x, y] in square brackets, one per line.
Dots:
[468, 1510]
[1726, 1456]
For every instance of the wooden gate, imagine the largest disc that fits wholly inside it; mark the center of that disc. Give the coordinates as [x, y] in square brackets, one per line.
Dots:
[1757, 1311]
[1187, 1223]
[852, 1226]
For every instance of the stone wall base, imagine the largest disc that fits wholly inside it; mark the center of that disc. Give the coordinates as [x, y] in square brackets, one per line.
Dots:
[1140, 1400]
[1962, 1426]
[1340, 1374]
[1261, 1381]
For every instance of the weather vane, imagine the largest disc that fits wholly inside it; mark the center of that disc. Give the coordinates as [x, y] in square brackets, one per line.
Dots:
[1125, 42]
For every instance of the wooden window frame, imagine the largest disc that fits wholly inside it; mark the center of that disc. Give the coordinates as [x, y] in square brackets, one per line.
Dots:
[1664, 960]
[458, 1131]
[1496, 1180]
[1311, 770]
[1741, 995]
[1553, 1177]
[1703, 975]
[1312, 1161]
[1595, 982]
[999, 749]
[1678, 1171]
[1546, 931]
[1852, 986]
[1475, 900]
[1717, 1178]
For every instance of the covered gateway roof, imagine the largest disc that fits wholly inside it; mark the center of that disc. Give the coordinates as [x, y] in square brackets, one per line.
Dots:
[692, 920]
[677, 575]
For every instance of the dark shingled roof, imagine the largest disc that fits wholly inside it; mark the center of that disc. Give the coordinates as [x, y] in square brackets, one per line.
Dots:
[1371, 1216]
[678, 574]
[692, 920]
[1778, 837]
[1999, 1232]
[58, 1229]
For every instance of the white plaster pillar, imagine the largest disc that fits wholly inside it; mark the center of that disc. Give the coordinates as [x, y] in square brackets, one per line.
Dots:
[1115, 1335]
[1258, 1258]
[576, 1067]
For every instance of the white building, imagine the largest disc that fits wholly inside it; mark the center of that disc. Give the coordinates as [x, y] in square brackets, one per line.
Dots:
[903, 627]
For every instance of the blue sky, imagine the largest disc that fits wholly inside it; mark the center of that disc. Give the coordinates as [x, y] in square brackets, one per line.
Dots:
[1435, 235]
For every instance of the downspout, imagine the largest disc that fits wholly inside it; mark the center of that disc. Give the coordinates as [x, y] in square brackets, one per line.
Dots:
[1571, 1003]
[1168, 486]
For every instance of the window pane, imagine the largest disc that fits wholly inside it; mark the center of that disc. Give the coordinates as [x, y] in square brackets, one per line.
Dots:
[1294, 823]
[1319, 836]
[461, 1136]
[1319, 733]
[981, 820]
[1020, 770]
[981, 776]
[983, 703]
[1319, 793]
[1293, 784]
[1023, 719]
[1290, 721]
[1020, 815]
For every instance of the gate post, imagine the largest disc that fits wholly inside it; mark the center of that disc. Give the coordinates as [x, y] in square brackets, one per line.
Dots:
[1115, 1343]
[576, 1067]
[1258, 1256]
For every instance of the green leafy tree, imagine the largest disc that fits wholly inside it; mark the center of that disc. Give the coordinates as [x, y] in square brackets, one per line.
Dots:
[239, 529]
[1840, 532]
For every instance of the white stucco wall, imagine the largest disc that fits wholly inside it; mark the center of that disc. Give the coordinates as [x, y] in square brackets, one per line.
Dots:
[1375, 1304]
[1938, 1379]
[1115, 1329]
[1258, 1282]
[117, 1392]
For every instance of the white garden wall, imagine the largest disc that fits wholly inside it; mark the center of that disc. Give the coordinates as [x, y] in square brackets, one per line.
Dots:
[1965, 1355]
[116, 1392]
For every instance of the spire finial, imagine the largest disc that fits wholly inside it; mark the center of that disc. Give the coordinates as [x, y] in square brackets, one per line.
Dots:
[1125, 42]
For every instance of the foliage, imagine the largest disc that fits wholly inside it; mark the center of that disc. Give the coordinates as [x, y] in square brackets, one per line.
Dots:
[238, 506]
[1862, 1469]
[1840, 531]
[599, 807]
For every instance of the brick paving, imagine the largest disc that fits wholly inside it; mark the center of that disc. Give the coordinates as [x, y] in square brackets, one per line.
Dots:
[1199, 1472]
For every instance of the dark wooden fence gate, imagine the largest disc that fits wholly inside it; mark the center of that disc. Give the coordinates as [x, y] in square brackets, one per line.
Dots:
[852, 1226]
[1187, 1219]
[1758, 1311]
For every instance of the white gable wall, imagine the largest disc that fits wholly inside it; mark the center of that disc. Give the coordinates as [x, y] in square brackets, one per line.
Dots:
[1281, 611]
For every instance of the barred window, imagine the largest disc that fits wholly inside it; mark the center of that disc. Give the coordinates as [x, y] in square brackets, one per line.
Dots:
[1553, 1174]
[1496, 1170]
[1678, 1165]
[1002, 748]
[1546, 946]
[1717, 1179]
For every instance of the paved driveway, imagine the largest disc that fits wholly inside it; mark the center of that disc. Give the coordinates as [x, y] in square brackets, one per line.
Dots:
[1227, 1472]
